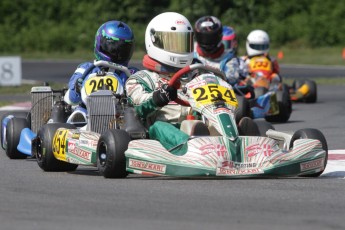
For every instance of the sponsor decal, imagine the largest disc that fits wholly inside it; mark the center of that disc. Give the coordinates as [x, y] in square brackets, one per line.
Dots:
[83, 142]
[219, 149]
[76, 135]
[211, 79]
[144, 165]
[82, 154]
[71, 146]
[254, 149]
[230, 172]
[94, 144]
[221, 110]
[196, 84]
[236, 165]
[314, 164]
[180, 22]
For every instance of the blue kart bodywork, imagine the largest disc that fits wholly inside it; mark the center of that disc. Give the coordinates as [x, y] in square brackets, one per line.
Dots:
[26, 135]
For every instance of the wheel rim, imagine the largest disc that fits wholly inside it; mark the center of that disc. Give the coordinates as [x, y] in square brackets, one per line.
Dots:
[102, 157]
[39, 150]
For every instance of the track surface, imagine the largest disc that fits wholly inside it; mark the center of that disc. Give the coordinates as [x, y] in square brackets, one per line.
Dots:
[33, 199]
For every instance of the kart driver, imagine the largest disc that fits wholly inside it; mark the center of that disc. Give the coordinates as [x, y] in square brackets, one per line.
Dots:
[257, 47]
[210, 48]
[114, 42]
[169, 46]
[229, 39]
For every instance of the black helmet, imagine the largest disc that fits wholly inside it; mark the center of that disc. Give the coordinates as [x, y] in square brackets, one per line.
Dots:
[208, 33]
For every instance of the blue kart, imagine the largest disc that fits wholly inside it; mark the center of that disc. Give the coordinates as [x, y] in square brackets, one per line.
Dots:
[19, 128]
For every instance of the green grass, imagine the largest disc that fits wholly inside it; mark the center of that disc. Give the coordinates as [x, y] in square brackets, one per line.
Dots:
[300, 55]
[321, 56]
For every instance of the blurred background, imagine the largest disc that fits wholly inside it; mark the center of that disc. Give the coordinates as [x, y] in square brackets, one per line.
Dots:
[307, 31]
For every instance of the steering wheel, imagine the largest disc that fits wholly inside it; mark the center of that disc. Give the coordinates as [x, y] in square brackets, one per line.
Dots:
[174, 80]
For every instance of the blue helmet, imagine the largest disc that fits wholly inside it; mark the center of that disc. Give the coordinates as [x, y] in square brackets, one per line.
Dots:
[229, 38]
[114, 42]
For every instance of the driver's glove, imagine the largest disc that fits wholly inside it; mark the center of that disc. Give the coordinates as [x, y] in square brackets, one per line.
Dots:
[78, 84]
[163, 95]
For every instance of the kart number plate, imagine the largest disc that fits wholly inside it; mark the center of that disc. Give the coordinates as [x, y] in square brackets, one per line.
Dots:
[260, 64]
[208, 94]
[59, 144]
[94, 84]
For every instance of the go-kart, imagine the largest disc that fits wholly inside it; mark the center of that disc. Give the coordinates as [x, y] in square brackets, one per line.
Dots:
[62, 146]
[272, 99]
[221, 152]
[303, 91]
[48, 106]
[226, 154]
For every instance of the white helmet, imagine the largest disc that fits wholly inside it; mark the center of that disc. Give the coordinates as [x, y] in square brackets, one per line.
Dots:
[169, 39]
[258, 42]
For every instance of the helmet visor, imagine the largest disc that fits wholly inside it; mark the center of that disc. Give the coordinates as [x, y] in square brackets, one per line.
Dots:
[118, 50]
[175, 42]
[259, 46]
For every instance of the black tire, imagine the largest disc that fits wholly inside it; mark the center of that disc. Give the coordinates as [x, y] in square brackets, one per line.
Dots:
[111, 160]
[311, 97]
[243, 109]
[247, 127]
[263, 126]
[311, 134]
[19, 114]
[13, 129]
[285, 106]
[44, 149]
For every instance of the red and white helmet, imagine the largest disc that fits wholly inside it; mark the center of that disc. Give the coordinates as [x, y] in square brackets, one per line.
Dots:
[169, 39]
[258, 43]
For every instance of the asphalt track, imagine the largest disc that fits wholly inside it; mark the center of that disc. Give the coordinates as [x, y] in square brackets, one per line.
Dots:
[33, 199]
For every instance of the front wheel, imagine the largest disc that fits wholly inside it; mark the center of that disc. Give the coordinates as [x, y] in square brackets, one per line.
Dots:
[285, 106]
[7, 117]
[43, 148]
[13, 129]
[311, 134]
[111, 160]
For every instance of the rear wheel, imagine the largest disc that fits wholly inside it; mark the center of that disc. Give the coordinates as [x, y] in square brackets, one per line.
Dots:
[311, 134]
[311, 97]
[43, 148]
[111, 160]
[13, 129]
[285, 106]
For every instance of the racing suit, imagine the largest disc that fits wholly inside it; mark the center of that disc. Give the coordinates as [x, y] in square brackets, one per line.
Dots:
[162, 121]
[81, 74]
[226, 61]
[274, 68]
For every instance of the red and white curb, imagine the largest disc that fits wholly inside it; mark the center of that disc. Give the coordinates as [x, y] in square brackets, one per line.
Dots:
[335, 164]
